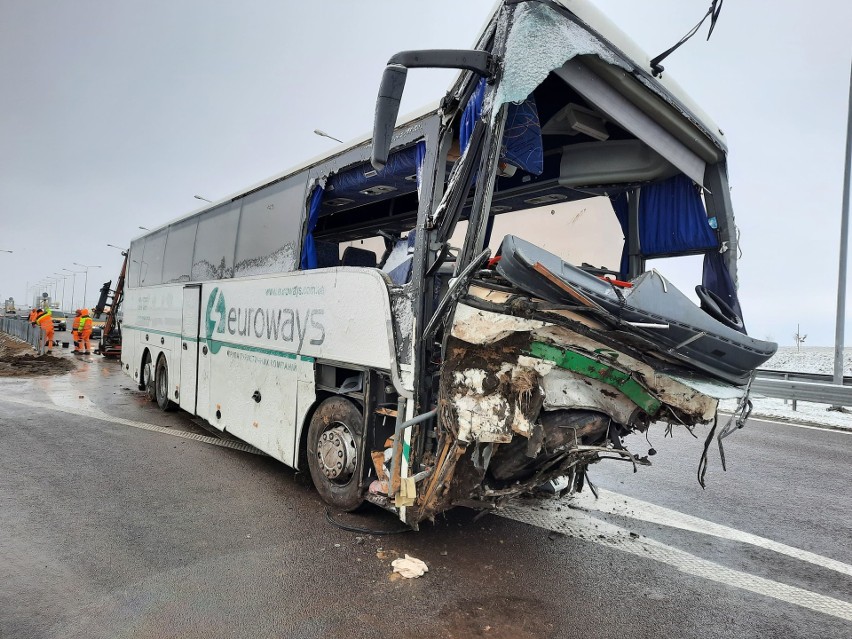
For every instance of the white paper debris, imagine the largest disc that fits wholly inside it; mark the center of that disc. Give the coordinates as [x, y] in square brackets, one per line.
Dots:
[409, 567]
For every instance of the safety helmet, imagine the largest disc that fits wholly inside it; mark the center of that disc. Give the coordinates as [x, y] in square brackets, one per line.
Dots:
[85, 311]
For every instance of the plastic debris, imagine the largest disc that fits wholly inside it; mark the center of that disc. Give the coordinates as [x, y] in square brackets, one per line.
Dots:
[409, 567]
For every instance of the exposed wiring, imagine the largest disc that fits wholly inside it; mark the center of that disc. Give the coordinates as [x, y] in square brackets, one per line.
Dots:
[713, 13]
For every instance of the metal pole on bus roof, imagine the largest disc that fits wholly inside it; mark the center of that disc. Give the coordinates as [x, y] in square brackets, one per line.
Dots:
[844, 245]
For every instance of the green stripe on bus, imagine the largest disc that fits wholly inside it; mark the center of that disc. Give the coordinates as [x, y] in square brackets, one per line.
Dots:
[264, 351]
[606, 373]
[151, 330]
[242, 347]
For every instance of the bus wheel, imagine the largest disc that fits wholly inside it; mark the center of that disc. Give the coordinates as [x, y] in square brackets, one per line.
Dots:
[147, 383]
[161, 384]
[334, 445]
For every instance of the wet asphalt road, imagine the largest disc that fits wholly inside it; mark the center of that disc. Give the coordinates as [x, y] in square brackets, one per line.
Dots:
[110, 530]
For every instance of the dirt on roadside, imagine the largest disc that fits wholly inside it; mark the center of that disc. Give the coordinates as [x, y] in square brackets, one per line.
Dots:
[17, 359]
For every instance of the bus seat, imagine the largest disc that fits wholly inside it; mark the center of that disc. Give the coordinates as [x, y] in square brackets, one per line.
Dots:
[327, 254]
[401, 273]
[353, 256]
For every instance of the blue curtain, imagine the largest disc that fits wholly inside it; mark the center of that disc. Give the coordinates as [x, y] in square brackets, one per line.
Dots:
[619, 205]
[309, 251]
[672, 219]
[522, 145]
[471, 114]
[717, 279]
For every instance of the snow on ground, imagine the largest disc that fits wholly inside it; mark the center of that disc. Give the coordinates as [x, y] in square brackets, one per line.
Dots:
[811, 359]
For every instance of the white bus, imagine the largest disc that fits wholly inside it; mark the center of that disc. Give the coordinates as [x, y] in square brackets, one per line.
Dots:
[458, 310]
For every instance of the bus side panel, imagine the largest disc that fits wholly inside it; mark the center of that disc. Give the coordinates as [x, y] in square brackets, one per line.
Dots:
[255, 398]
[203, 404]
[263, 335]
[129, 358]
[188, 354]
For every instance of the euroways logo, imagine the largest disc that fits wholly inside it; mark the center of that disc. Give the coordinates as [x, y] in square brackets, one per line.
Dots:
[287, 325]
[215, 319]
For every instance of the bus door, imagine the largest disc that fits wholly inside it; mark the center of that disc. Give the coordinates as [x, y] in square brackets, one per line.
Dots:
[189, 334]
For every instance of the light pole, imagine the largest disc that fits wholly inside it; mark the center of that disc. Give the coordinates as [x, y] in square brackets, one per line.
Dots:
[6, 251]
[117, 247]
[64, 278]
[55, 282]
[844, 247]
[86, 281]
[198, 197]
[323, 134]
[73, 283]
[144, 228]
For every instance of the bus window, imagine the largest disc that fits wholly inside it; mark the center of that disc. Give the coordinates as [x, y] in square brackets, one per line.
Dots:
[270, 226]
[133, 263]
[152, 259]
[214, 243]
[177, 262]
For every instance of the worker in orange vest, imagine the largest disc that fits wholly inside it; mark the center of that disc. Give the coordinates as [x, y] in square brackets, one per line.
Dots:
[33, 314]
[45, 320]
[75, 328]
[85, 331]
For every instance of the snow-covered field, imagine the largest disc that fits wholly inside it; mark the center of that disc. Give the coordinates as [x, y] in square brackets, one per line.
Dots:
[811, 359]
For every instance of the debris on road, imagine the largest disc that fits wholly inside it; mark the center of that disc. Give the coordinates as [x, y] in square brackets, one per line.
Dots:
[17, 359]
[409, 567]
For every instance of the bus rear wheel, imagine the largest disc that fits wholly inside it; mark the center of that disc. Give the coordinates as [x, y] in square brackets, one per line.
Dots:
[161, 384]
[334, 453]
[147, 378]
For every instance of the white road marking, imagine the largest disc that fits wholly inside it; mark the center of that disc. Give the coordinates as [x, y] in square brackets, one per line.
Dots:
[94, 413]
[832, 428]
[584, 526]
[617, 504]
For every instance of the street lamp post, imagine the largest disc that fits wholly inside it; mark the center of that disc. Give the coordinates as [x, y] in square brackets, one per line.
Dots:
[86, 281]
[73, 283]
[64, 278]
[55, 282]
[6, 251]
[323, 134]
[198, 197]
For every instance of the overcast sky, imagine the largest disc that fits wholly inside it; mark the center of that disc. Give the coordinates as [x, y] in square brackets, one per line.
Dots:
[115, 113]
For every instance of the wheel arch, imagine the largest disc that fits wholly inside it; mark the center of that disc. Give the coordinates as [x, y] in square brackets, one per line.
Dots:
[301, 460]
[145, 353]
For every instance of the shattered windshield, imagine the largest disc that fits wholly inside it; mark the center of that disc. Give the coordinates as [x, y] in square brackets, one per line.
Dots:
[541, 40]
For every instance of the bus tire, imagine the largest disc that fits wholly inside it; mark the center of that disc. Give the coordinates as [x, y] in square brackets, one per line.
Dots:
[161, 385]
[146, 377]
[334, 452]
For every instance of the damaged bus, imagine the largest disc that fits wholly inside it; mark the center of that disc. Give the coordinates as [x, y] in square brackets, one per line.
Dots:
[384, 317]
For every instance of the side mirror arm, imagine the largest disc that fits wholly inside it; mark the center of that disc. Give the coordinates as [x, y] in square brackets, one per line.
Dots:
[393, 85]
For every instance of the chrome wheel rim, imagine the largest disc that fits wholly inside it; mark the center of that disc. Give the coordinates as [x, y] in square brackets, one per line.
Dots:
[337, 454]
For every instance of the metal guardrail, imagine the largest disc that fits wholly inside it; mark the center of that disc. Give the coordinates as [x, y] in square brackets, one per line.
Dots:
[766, 373]
[24, 331]
[805, 387]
